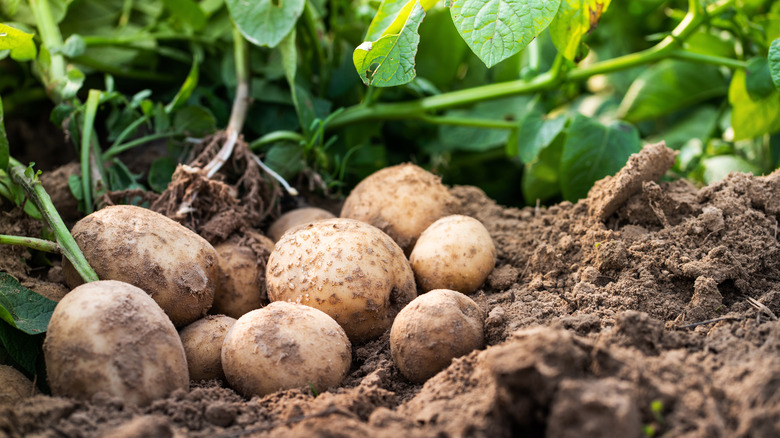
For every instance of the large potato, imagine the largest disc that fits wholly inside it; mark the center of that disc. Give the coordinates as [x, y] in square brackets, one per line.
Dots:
[401, 200]
[108, 336]
[456, 252]
[348, 269]
[296, 217]
[285, 345]
[434, 329]
[202, 341]
[135, 245]
[241, 282]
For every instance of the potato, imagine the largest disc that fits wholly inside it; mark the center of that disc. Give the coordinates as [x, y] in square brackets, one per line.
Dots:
[434, 329]
[174, 265]
[456, 252]
[282, 346]
[241, 282]
[348, 269]
[294, 218]
[202, 341]
[14, 386]
[401, 200]
[109, 336]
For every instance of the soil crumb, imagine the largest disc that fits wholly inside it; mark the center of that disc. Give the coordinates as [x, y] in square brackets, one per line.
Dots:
[647, 309]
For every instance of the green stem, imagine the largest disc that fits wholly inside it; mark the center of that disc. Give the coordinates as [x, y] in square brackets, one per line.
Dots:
[116, 150]
[311, 30]
[51, 38]
[416, 109]
[93, 99]
[469, 121]
[708, 59]
[30, 242]
[277, 136]
[41, 199]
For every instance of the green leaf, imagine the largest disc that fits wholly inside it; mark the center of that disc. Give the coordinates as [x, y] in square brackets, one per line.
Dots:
[574, 20]
[541, 179]
[389, 60]
[700, 124]
[774, 62]
[497, 29]
[187, 11]
[536, 132]
[74, 46]
[286, 159]
[714, 169]
[758, 79]
[161, 173]
[752, 118]
[188, 86]
[19, 43]
[593, 151]
[669, 86]
[195, 121]
[4, 147]
[24, 349]
[23, 308]
[265, 22]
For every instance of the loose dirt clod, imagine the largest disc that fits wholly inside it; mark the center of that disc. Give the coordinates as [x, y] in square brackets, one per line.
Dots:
[632, 310]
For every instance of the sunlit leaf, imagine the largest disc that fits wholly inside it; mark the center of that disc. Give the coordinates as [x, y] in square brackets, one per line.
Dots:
[389, 60]
[497, 29]
[752, 118]
[19, 43]
[574, 20]
[265, 22]
[774, 62]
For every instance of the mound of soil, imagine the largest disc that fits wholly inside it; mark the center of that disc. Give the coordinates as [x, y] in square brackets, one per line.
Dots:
[646, 309]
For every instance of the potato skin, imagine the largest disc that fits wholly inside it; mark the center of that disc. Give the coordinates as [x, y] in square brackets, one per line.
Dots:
[294, 218]
[348, 269]
[240, 285]
[285, 345]
[202, 341]
[456, 252]
[400, 200]
[14, 386]
[434, 329]
[109, 336]
[135, 245]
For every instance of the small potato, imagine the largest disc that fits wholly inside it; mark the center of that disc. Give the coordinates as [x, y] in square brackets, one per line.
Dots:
[401, 200]
[135, 245]
[202, 341]
[14, 386]
[434, 329]
[455, 252]
[282, 346]
[294, 218]
[108, 336]
[348, 269]
[241, 282]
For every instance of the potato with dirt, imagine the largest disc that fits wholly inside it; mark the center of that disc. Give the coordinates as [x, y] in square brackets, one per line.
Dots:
[434, 329]
[202, 341]
[456, 252]
[135, 245]
[283, 346]
[241, 282]
[112, 337]
[400, 200]
[296, 217]
[14, 386]
[348, 269]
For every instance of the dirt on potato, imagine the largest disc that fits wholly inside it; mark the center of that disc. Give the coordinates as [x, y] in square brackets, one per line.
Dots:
[647, 309]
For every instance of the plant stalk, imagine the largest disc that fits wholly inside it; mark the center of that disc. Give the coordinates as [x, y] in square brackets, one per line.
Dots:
[30, 242]
[41, 199]
[51, 38]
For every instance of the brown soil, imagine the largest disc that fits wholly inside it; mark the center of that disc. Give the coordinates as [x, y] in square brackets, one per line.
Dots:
[648, 308]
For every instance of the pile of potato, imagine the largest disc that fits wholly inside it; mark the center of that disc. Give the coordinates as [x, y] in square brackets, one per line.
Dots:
[170, 307]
